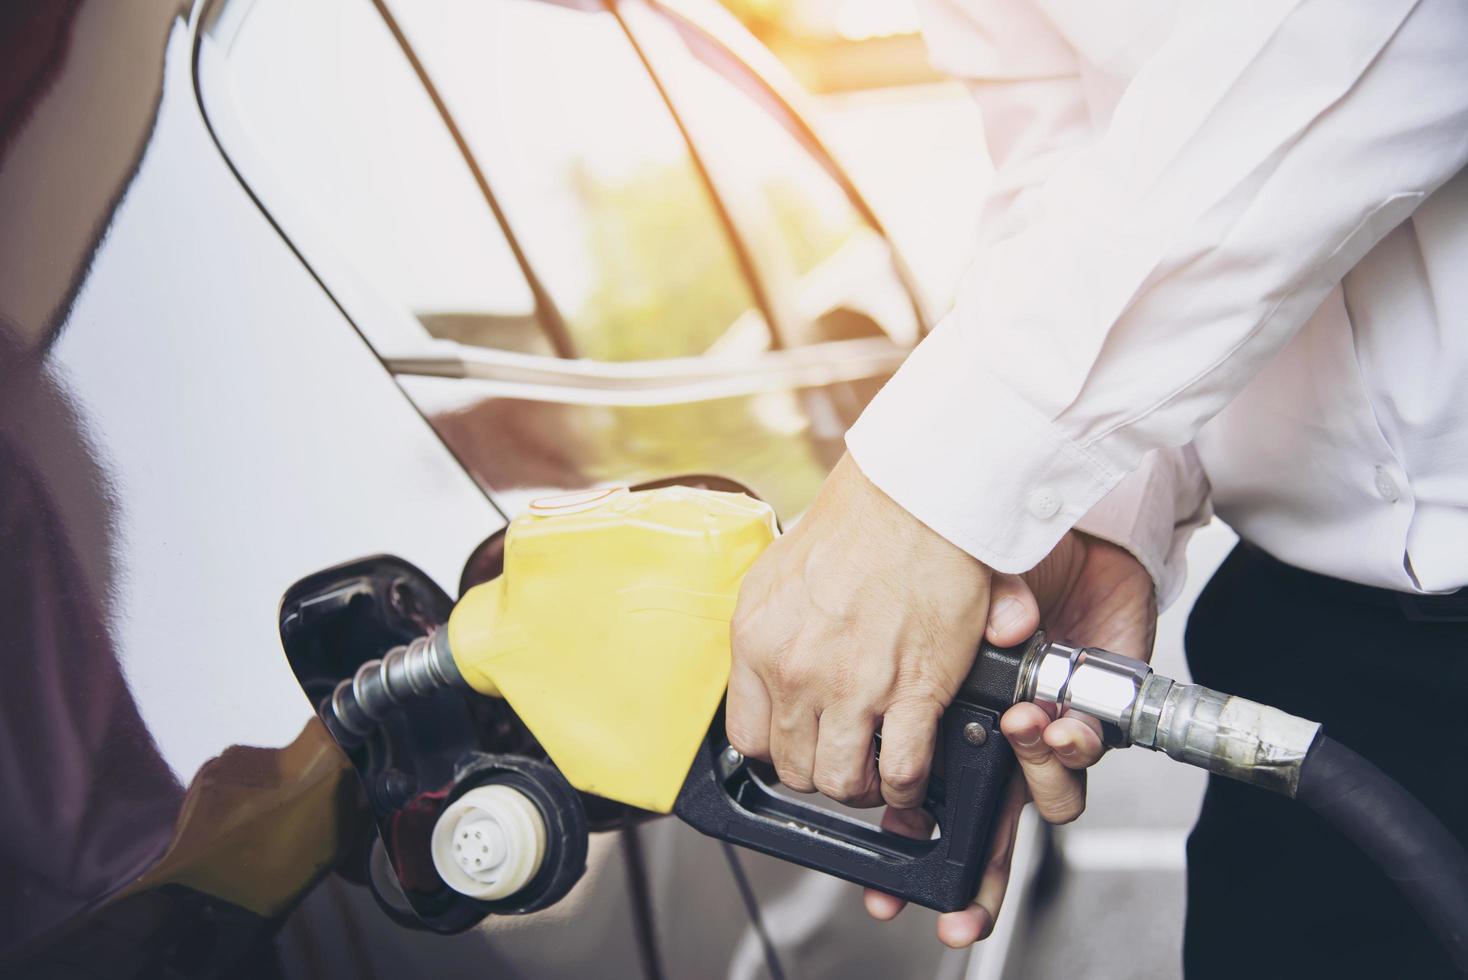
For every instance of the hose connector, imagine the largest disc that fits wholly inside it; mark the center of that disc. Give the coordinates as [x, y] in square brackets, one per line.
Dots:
[1228, 735]
[413, 670]
[1099, 683]
[1232, 736]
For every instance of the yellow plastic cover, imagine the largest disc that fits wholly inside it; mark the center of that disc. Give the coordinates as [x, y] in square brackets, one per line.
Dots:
[608, 632]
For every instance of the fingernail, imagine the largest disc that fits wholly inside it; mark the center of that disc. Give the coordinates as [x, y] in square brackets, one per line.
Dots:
[1028, 739]
[1006, 612]
[1066, 751]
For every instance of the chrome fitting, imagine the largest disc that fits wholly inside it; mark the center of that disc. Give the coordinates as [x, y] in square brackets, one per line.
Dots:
[1099, 683]
[1231, 736]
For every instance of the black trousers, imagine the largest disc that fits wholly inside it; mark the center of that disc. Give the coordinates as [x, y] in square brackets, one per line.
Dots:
[1272, 890]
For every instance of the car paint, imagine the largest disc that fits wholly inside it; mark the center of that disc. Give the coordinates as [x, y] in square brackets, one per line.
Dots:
[531, 425]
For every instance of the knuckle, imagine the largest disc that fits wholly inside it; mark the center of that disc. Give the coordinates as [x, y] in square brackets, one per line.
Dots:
[903, 777]
[744, 739]
[844, 787]
[784, 671]
[793, 778]
[790, 673]
[844, 686]
[900, 800]
[747, 630]
[789, 725]
[917, 702]
[879, 676]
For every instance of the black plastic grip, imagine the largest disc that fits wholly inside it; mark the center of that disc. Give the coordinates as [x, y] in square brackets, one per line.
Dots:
[993, 681]
[724, 798]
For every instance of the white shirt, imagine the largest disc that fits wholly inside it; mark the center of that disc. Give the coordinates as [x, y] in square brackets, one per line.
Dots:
[1236, 229]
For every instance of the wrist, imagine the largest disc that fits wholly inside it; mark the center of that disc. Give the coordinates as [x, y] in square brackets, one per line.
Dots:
[897, 527]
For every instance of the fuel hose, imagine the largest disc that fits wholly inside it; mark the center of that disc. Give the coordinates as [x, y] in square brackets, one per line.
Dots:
[1409, 843]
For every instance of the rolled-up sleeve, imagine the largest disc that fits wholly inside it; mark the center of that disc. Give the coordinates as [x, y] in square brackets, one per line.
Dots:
[1253, 160]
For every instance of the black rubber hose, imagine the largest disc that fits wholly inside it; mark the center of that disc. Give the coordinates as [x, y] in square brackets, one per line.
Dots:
[1406, 839]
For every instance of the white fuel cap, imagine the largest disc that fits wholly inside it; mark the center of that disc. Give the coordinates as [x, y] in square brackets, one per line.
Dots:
[489, 842]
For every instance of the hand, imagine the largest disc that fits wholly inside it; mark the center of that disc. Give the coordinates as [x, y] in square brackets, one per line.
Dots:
[860, 616]
[1086, 590]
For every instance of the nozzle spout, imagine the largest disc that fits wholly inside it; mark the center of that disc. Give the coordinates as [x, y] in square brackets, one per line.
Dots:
[413, 670]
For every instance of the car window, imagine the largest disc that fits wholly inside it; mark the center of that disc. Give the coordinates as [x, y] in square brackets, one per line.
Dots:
[334, 106]
[831, 274]
[593, 174]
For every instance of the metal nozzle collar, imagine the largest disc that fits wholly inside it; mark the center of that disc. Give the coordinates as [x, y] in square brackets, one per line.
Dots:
[1099, 683]
[1231, 736]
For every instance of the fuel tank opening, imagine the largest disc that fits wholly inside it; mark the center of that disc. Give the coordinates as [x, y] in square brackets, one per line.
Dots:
[365, 627]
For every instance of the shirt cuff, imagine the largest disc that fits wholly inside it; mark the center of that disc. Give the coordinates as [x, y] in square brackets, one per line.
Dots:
[971, 459]
[1152, 513]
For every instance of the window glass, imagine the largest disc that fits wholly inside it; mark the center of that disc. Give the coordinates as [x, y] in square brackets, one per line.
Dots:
[336, 109]
[593, 174]
[831, 274]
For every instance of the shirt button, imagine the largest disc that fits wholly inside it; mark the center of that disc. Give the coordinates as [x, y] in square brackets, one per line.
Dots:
[1044, 503]
[1386, 486]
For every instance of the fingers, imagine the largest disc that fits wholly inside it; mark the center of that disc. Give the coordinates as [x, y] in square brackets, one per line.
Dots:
[846, 761]
[967, 926]
[793, 745]
[1052, 757]
[1059, 792]
[1076, 740]
[747, 712]
[909, 823]
[826, 642]
[1013, 612]
[909, 731]
[881, 906]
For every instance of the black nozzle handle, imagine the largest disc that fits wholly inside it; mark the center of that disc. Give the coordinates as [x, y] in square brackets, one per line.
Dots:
[725, 798]
[994, 681]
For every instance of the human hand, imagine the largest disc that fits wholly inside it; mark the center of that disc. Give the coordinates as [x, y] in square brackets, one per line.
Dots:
[1087, 590]
[860, 616]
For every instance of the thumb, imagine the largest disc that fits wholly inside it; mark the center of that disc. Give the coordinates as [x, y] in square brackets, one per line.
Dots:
[1013, 612]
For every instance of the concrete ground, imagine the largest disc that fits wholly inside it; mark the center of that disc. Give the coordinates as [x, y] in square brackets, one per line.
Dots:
[1112, 904]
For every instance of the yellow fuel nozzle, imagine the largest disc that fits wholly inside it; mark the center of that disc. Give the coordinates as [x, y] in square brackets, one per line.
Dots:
[608, 632]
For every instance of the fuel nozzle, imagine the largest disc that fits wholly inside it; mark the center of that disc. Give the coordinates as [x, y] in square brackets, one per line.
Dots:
[405, 672]
[1135, 705]
[1228, 735]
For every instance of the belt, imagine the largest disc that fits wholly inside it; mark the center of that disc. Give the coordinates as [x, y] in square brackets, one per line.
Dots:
[1415, 607]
